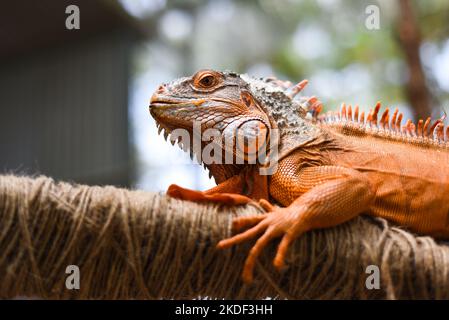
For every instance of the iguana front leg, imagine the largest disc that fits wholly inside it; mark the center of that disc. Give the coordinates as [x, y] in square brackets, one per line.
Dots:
[237, 190]
[326, 196]
[227, 192]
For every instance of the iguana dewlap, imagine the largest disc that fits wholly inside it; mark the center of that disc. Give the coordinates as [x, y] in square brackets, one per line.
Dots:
[331, 167]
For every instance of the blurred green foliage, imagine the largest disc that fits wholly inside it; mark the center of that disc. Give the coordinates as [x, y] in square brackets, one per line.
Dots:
[241, 34]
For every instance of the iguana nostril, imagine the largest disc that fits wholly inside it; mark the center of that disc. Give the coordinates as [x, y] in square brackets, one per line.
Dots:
[161, 88]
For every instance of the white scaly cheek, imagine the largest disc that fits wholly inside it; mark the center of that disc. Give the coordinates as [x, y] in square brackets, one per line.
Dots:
[245, 138]
[251, 138]
[229, 134]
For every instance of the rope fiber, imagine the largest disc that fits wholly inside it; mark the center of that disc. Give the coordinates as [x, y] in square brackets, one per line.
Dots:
[142, 245]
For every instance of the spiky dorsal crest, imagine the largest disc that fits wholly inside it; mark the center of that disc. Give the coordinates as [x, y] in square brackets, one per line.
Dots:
[423, 132]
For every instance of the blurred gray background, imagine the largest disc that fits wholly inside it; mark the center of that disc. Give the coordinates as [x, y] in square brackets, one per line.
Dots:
[74, 103]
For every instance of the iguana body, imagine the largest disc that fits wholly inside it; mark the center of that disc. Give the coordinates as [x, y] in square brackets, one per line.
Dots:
[331, 168]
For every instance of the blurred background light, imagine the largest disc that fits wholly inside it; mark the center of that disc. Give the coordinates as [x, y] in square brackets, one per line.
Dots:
[142, 8]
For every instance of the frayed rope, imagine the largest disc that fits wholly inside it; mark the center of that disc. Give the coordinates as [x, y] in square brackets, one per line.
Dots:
[142, 245]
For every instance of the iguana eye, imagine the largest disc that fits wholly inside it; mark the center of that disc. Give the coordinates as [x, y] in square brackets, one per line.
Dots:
[205, 80]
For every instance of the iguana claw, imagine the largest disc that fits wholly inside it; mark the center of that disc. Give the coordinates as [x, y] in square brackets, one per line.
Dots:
[279, 222]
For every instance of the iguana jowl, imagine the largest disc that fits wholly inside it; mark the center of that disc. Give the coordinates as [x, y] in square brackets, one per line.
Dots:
[331, 167]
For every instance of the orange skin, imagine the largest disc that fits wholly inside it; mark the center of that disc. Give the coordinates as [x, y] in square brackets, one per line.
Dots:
[346, 171]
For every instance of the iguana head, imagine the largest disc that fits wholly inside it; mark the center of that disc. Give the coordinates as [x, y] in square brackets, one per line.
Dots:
[241, 109]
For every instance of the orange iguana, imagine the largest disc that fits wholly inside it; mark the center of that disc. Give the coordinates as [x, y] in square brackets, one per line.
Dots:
[331, 167]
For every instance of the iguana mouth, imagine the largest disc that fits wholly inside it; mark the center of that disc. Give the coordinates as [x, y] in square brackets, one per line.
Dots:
[166, 110]
[158, 100]
[161, 104]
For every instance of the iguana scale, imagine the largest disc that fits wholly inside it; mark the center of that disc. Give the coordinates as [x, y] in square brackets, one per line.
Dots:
[331, 167]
